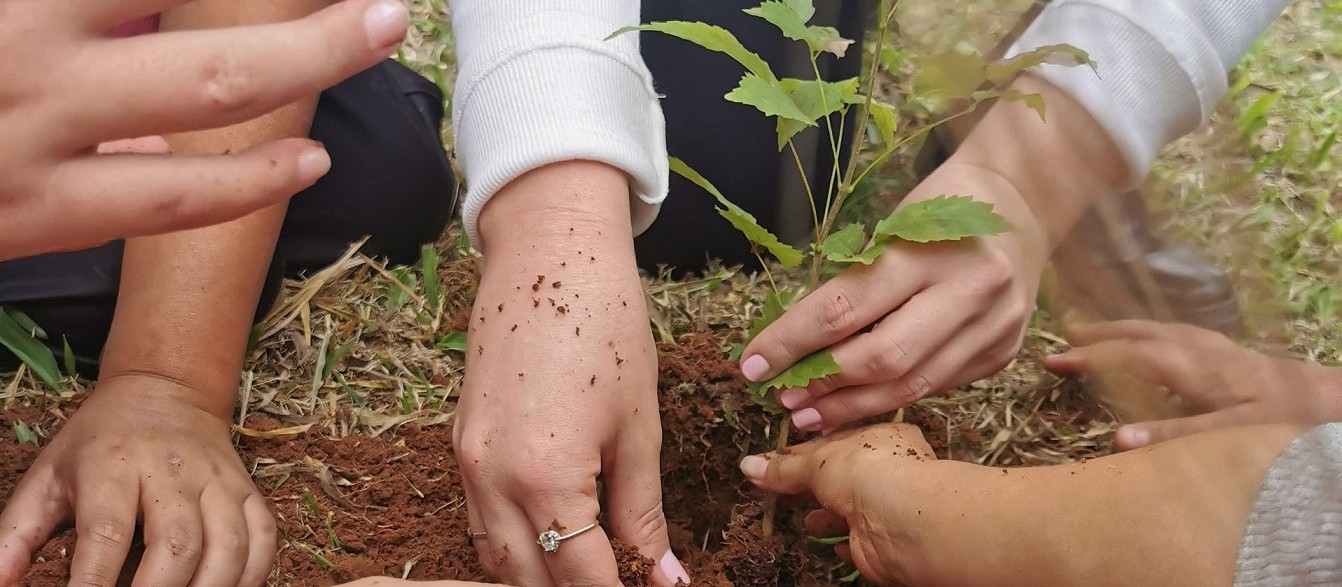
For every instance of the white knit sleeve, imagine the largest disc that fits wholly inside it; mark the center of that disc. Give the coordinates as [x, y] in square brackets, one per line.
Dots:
[537, 83]
[1163, 64]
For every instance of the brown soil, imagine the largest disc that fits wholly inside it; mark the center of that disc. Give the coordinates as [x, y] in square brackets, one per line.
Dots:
[395, 507]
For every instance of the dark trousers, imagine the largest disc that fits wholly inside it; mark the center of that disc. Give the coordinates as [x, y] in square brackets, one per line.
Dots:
[390, 179]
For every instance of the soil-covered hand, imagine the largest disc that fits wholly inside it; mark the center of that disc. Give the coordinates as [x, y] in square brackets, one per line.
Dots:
[138, 452]
[560, 395]
[923, 319]
[68, 87]
[854, 475]
[1221, 383]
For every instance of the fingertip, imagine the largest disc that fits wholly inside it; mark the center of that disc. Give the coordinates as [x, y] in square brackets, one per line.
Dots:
[669, 572]
[755, 467]
[313, 164]
[386, 23]
[755, 367]
[794, 398]
[1132, 437]
[1064, 362]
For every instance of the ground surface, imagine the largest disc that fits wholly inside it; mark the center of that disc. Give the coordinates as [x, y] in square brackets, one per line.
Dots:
[347, 402]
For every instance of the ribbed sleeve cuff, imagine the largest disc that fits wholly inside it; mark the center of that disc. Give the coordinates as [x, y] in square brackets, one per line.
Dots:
[553, 90]
[1159, 76]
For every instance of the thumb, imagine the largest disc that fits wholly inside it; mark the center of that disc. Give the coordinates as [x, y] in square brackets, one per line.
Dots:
[634, 506]
[1134, 436]
[33, 513]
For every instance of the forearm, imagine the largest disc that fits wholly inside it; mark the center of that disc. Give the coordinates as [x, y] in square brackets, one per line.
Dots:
[1171, 514]
[187, 299]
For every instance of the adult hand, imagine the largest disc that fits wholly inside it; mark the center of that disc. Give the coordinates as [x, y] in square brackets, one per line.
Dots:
[855, 477]
[1221, 383]
[923, 319]
[561, 384]
[139, 449]
[68, 87]
[390, 582]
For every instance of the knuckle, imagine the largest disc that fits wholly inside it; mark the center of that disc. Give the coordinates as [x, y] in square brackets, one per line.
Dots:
[996, 271]
[226, 85]
[915, 388]
[182, 543]
[837, 313]
[98, 575]
[648, 526]
[234, 543]
[891, 360]
[108, 534]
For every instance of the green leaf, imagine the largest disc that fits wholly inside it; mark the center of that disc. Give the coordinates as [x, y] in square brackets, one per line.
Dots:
[774, 307]
[1320, 155]
[818, 365]
[455, 341]
[768, 97]
[942, 218]
[791, 19]
[69, 355]
[1001, 72]
[710, 37]
[23, 434]
[26, 323]
[835, 541]
[851, 577]
[951, 75]
[805, 9]
[1032, 101]
[816, 100]
[428, 267]
[742, 220]
[887, 122]
[844, 244]
[28, 349]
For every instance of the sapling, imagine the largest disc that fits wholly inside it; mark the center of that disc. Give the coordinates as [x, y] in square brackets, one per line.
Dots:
[798, 104]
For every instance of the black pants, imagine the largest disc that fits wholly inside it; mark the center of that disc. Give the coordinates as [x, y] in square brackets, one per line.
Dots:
[390, 178]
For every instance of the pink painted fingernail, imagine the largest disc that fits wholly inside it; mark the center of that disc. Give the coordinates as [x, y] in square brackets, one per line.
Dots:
[1137, 437]
[807, 419]
[793, 397]
[313, 164]
[754, 467]
[385, 23]
[670, 572]
[754, 368]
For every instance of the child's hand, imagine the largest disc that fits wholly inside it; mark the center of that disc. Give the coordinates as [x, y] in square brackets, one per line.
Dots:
[1221, 383]
[856, 476]
[138, 452]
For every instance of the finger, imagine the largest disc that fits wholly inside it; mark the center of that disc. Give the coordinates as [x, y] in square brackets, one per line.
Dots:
[585, 559]
[227, 540]
[1084, 334]
[174, 537]
[263, 537]
[824, 524]
[902, 340]
[835, 311]
[102, 198]
[510, 553]
[151, 145]
[32, 514]
[181, 81]
[634, 500]
[1133, 436]
[1160, 362]
[105, 512]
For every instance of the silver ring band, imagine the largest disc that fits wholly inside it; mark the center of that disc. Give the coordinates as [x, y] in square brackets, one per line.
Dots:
[549, 539]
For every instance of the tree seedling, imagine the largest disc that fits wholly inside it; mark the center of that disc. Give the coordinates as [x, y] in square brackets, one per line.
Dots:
[800, 104]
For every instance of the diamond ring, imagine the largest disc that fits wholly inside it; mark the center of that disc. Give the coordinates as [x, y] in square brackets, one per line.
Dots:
[549, 539]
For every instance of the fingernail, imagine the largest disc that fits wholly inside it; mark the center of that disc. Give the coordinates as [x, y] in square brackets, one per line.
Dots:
[1137, 437]
[670, 572]
[385, 23]
[754, 466]
[754, 368]
[313, 164]
[807, 419]
[793, 397]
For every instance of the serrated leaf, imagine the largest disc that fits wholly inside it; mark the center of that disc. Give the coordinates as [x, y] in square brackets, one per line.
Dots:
[845, 243]
[805, 9]
[815, 366]
[1001, 72]
[713, 38]
[455, 341]
[742, 220]
[774, 307]
[39, 359]
[887, 122]
[1032, 101]
[816, 100]
[768, 97]
[943, 218]
[951, 75]
[791, 19]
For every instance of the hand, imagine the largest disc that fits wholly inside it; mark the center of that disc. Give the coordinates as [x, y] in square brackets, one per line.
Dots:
[923, 319]
[1220, 382]
[138, 448]
[855, 476]
[68, 87]
[389, 582]
[561, 384]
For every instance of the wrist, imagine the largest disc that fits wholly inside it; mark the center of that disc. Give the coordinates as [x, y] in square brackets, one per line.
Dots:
[162, 385]
[579, 202]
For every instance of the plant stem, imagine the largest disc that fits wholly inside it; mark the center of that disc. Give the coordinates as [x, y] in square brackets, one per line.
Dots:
[771, 502]
[806, 183]
[904, 141]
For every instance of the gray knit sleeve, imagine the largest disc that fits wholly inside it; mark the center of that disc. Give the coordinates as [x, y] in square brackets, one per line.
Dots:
[1294, 534]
